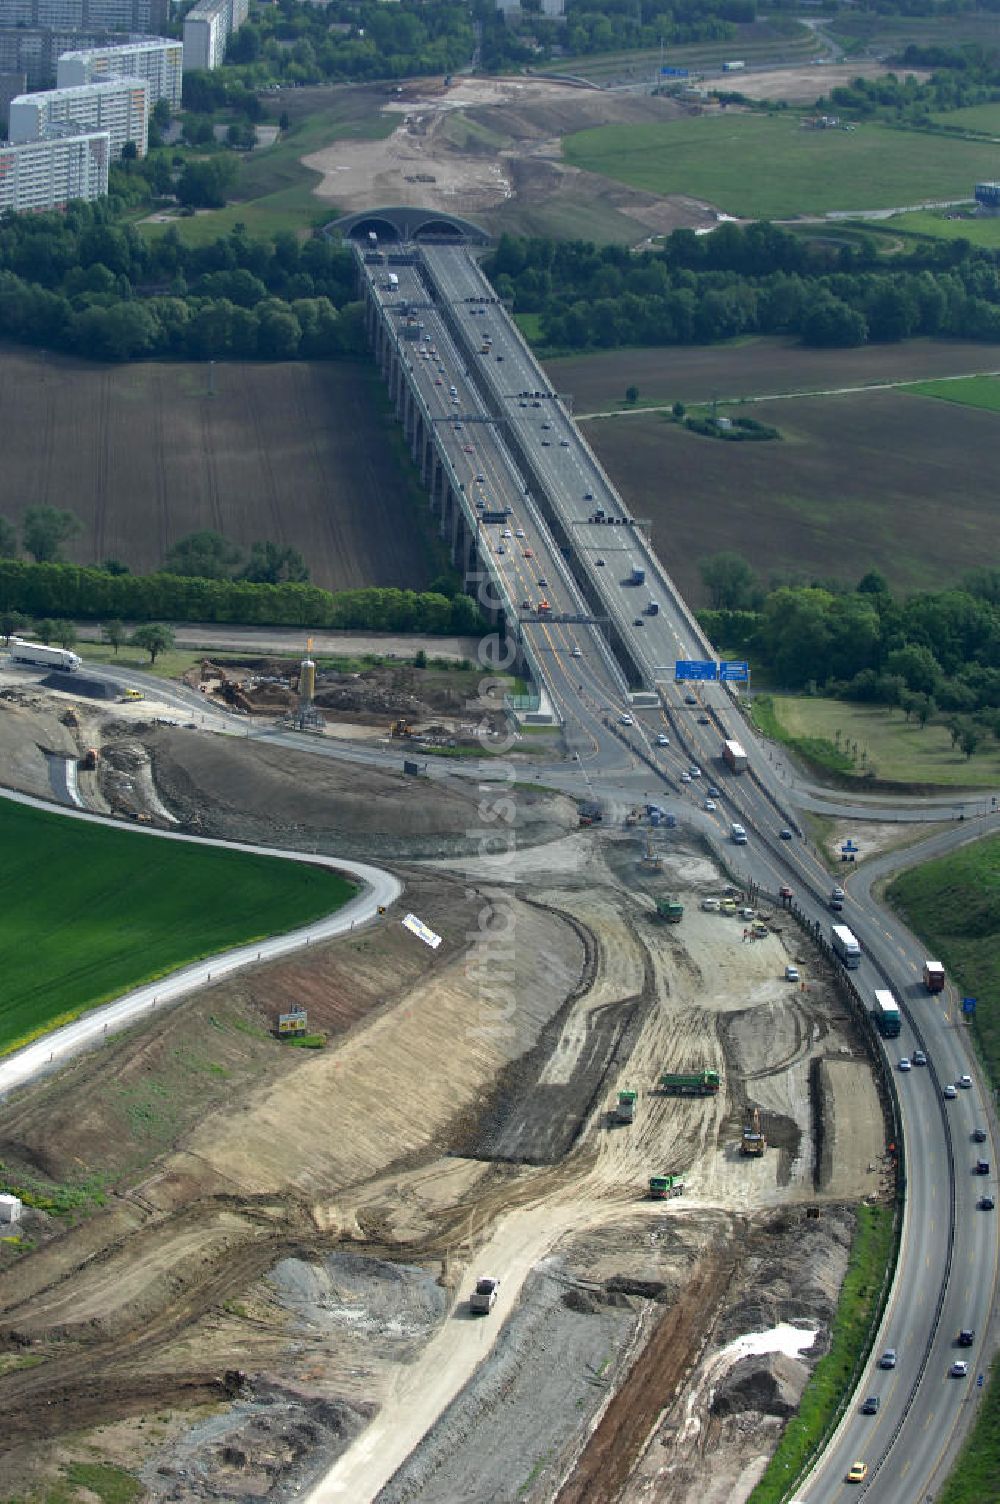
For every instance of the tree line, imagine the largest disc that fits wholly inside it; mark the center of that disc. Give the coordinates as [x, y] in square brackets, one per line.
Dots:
[85, 282]
[964, 76]
[70, 591]
[741, 280]
[935, 654]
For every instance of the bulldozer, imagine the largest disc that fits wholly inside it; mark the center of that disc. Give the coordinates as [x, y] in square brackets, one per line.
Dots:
[401, 727]
[753, 1143]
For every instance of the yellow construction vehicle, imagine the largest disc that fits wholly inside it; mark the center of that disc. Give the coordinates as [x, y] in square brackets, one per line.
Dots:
[401, 727]
[753, 1142]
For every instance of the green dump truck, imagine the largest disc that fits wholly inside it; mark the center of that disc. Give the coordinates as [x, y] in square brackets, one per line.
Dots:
[624, 1112]
[664, 1187]
[690, 1083]
[670, 910]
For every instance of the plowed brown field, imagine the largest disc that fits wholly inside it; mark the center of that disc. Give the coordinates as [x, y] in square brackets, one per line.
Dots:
[300, 454]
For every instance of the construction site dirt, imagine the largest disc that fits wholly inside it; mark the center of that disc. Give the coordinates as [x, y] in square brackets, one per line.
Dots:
[267, 1269]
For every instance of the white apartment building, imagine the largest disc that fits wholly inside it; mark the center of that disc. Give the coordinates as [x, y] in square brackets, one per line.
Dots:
[159, 61]
[48, 174]
[207, 28]
[120, 108]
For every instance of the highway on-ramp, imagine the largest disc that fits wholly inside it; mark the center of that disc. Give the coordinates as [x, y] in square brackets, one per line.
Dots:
[378, 889]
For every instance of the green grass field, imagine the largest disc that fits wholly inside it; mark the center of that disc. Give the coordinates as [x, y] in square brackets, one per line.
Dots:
[87, 913]
[969, 391]
[762, 166]
[976, 117]
[897, 751]
[935, 222]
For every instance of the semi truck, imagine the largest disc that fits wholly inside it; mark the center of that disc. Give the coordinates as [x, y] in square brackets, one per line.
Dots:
[734, 756]
[637, 575]
[670, 909]
[736, 66]
[663, 1187]
[41, 656]
[845, 946]
[933, 976]
[392, 282]
[704, 1083]
[885, 1014]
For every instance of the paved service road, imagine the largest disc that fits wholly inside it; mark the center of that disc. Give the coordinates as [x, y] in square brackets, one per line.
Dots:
[378, 888]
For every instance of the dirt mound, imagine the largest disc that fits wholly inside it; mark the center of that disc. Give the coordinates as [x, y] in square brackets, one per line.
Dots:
[253, 1450]
[770, 1385]
[272, 794]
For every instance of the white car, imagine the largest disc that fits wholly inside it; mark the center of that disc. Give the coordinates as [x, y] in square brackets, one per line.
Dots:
[625, 720]
[950, 1092]
[964, 1082]
[519, 532]
[709, 804]
[694, 770]
[576, 653]
[662, 740]
[710, 905]
[904, 1064]
[685, 778]
[506, 533]
[959, 1370]
[791, 973]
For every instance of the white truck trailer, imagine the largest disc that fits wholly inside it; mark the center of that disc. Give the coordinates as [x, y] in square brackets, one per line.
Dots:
[846, 945]
[39, 655]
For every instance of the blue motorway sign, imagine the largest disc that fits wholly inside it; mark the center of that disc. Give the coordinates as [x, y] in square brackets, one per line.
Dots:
[968, 1005]
[666, 72]
[850, 846]
[735, 672]
[694, 668]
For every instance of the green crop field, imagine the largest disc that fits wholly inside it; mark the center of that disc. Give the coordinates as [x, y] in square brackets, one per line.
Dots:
[897, 750]
[969, 391]
[762, 166]
[87, 912]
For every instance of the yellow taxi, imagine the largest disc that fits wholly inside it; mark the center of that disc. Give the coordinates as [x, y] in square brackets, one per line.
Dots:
[858, 1472]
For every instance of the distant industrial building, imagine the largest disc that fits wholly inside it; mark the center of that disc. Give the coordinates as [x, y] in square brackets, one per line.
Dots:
[86, 15]
[156, 59]
[49, 174]
[988, 198]
[121, 108]
[207, 28]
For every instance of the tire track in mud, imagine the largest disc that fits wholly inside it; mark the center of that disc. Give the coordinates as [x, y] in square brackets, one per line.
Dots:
[625, 1427]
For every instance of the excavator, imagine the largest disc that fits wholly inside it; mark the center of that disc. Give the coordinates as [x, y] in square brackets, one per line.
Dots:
[753, 1143]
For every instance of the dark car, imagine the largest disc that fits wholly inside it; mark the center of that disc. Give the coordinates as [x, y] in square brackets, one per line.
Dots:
[713, 792]
[704, 720]
[982, 1167]
[966, 1337]
[690, 700]
[837, 905]
[986, 1203]
[979, 1135]
[871, 1405]
[786, 835]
